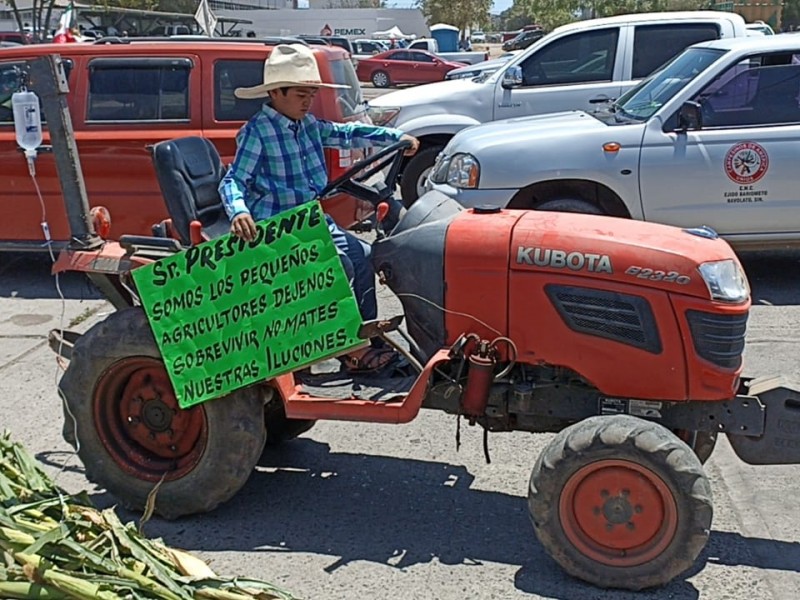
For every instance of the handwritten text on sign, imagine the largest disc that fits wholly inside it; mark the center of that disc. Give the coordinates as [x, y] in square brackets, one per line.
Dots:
[228, 313]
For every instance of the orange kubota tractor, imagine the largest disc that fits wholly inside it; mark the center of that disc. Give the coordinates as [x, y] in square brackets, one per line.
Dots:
[624, 338]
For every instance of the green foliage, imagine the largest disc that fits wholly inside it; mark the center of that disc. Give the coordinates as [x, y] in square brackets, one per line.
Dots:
[138, 4]
[179, 6]
[552, 13]
[463, 14]
[791, 14]
[42, 12]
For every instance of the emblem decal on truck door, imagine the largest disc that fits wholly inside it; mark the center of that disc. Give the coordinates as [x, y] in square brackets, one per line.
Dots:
[561, 259]
[746, 162]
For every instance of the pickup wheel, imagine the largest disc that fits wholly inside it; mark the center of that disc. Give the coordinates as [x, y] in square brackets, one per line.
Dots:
[412, 186]
[572, 205]
[620, 502]
[380, 79]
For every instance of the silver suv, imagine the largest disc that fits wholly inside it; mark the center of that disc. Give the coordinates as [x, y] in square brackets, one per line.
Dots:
[710, 139]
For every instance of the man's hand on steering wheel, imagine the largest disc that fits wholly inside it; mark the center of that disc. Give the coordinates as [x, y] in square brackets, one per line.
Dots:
[414, 144]
[355, 180]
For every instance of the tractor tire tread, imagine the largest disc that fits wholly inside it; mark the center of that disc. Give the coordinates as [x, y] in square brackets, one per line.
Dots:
[236, 433]
[609, 437]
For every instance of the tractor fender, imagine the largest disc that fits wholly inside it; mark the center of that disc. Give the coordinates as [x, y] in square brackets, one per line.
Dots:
[779, 444]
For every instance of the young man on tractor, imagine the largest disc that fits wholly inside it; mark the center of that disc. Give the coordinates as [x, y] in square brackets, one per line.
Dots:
[280, 164]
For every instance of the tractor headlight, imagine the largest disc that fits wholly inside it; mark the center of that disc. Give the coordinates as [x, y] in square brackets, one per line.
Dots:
[725, 280]
[463, 171]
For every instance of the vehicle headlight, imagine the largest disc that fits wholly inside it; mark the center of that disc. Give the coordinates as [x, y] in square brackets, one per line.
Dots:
[725, 280]
[463, 171]
[383, 115]
[438, 172]
[465, 75]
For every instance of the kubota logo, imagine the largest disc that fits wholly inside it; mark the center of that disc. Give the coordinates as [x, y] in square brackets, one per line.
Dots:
[560, 259]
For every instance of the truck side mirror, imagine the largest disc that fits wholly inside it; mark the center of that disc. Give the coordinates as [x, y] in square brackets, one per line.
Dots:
[512, 77]
[690, 116]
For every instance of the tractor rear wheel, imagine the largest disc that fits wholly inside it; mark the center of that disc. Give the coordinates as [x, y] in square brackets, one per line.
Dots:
[132, 434]
[281, 429]
[620, 502]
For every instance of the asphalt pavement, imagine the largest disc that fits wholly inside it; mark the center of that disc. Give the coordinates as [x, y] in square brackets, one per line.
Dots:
[362, 512]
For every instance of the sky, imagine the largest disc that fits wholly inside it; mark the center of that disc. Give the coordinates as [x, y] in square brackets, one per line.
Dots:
[499, 5]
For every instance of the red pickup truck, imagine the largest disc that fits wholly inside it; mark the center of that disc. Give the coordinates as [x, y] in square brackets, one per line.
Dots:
[128, 94]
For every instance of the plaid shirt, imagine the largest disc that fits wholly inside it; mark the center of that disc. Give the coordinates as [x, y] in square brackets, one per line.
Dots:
[280, 164]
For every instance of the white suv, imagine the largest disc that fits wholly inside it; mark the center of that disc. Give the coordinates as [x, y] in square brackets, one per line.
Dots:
[576, 66]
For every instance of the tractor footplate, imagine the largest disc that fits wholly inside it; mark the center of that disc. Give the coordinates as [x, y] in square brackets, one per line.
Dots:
[326, 381]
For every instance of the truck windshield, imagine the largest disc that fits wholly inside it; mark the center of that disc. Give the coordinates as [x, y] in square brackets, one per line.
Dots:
[642, 101]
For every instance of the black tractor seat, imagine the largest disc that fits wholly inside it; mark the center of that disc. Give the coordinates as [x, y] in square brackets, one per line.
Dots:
[189, 170]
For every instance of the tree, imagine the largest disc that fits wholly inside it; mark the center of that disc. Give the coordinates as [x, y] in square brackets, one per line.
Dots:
[464, 14]
[42, 13]
[790, 14]
[552, 13]
[514, 18]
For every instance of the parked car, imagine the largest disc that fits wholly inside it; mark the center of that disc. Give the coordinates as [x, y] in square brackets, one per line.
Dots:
[464, 56]
[483, 69]
[523, 40]
[333, 40]
[367, 48]
[403, 66]
[579, 65]
[760, 27]
[478, 37]
[16, 37]
[129, 95]
[167, 30]
[711, 139]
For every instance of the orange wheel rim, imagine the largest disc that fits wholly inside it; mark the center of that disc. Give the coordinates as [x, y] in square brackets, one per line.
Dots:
[618, 513]
[141, 425]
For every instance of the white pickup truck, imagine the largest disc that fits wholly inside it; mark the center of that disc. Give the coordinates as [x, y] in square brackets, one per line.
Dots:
[430, 45]
[711, 139]
[577, 66]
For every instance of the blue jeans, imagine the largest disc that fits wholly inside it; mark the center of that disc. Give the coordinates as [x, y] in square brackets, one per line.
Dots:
[354, 255]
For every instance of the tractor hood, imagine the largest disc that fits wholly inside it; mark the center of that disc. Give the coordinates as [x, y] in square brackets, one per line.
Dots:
[622, 250]
[443, 260]
[411, 261]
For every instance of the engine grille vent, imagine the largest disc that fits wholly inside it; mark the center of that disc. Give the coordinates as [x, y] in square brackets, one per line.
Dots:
[620, 317]
[718, 338]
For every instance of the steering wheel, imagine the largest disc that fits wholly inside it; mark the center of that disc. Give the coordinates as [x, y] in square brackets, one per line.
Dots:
[352, 180]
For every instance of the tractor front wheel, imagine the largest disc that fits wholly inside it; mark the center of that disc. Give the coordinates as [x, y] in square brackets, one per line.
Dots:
[620, 502]
[132, 435]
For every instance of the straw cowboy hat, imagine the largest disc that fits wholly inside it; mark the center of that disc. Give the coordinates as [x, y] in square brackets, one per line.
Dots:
[289, 65]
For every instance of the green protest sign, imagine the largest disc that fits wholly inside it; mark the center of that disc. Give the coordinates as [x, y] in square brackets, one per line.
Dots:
[228, 313]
